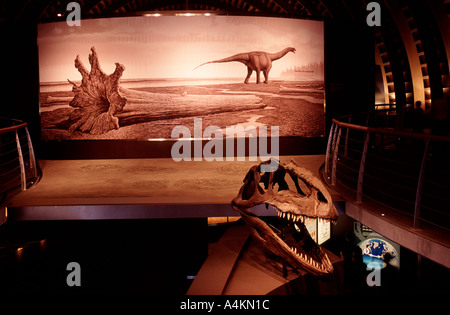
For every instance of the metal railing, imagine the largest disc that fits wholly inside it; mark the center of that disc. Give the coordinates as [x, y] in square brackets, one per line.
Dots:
[18, 169]
[404, 171]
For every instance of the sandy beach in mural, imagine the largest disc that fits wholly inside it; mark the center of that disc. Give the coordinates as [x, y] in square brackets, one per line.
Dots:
[174, 69]
[155, 107]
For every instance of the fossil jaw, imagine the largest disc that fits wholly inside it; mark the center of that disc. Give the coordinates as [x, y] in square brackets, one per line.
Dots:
[289, 241]
[302, 218]
[286, 235]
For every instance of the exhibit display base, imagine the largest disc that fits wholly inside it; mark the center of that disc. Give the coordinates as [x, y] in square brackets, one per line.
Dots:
[136, 189]
[237, 265]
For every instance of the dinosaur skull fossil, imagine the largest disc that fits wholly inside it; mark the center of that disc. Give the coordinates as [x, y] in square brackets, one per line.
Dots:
[287, 237]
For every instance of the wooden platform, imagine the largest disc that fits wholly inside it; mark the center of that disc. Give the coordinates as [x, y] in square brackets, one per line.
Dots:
[136, 188]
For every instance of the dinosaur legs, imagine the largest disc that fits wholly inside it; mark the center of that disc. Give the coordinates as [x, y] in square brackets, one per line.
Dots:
[258, 75]
[249, 73]
[266, 72]
[266, 76]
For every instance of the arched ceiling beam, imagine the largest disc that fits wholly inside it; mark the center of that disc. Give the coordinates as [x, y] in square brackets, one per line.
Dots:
[161, 4]
[410, 46]
[287, 7]
[262, 7]
[88, 5]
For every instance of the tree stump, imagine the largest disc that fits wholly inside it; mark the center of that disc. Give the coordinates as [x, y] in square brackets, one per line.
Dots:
[97, 100]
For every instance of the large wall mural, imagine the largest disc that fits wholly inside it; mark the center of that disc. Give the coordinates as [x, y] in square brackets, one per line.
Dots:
[140, 77]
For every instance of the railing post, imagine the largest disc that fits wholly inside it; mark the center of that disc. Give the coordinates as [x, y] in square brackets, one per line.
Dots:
[346, 136]
[362, 165]
[23, 178]
[329, 148]
[419, 184]
[335, 154]
[31, 152]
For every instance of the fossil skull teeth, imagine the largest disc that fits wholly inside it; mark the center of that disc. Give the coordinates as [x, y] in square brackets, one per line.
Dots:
[295, 207]
[302, 218]
[318, 266]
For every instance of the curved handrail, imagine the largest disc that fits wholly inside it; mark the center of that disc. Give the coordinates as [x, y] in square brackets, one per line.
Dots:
[18, 167]
[13, 128]
[399, 169]
[397, 133]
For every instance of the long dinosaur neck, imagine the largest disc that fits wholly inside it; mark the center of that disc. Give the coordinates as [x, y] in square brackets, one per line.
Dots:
[280, 54]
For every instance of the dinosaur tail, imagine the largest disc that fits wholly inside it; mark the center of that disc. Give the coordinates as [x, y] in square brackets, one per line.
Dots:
[238, 57]
[203, 64]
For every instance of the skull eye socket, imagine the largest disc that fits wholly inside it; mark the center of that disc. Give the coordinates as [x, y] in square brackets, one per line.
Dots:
[321, 197]
[248, 190]
[301, 187]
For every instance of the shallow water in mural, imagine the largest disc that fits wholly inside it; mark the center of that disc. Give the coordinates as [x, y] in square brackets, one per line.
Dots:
[151, 112]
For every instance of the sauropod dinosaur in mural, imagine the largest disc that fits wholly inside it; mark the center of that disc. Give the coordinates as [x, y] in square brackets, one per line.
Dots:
[255, 61]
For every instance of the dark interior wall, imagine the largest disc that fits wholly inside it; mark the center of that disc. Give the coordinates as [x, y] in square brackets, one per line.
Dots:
[116, 257]
[349, 88]
[349, 68]
[19, 88]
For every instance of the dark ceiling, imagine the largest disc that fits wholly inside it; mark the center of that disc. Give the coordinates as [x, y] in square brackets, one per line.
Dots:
[44, 11]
